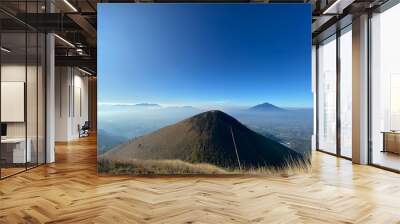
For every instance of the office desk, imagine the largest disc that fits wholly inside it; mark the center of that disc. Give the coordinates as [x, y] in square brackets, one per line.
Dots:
[13, 150]
[391, 141]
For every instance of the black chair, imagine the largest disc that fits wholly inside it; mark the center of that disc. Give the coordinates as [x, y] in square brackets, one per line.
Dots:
[84, 130]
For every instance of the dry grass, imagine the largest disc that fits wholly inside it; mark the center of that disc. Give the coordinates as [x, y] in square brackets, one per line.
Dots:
[156, 167]
[289, 169]
[178, 167]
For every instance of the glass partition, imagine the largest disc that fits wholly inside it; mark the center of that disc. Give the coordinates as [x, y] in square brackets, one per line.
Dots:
[23, 91]
[327, 95]
[14, 153]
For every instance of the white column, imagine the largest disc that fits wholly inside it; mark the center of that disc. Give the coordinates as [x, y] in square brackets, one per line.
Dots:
[62, 103]
[50, 92]
[360, 90]
[50, 99]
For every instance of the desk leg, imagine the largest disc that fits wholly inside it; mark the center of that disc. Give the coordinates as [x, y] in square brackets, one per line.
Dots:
[384, 142]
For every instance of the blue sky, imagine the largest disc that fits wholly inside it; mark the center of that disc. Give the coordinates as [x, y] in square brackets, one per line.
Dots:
[205, 54]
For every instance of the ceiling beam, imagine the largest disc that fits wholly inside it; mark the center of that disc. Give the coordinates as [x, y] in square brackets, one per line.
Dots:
[79, 61]
[84, 24]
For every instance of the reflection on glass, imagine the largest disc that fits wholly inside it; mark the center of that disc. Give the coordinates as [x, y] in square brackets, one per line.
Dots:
[41, 99]
[31, 101]
[327, 96]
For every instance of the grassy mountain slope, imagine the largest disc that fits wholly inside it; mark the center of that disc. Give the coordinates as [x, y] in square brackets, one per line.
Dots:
[207, 138]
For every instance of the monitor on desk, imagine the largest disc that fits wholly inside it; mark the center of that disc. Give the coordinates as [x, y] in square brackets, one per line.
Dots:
[3, 130]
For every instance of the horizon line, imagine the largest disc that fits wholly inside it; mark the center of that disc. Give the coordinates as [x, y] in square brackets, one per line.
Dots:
[166, 105]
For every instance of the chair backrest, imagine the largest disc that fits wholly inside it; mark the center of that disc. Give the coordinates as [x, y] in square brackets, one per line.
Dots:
[86, 124]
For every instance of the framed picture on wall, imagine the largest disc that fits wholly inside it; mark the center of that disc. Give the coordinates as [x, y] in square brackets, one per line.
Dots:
[200, 88]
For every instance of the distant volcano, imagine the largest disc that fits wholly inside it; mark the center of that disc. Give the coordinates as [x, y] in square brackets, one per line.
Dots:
[266, 107]
[211, 137]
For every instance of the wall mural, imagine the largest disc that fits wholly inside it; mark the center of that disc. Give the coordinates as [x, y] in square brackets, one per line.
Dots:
[204, 88]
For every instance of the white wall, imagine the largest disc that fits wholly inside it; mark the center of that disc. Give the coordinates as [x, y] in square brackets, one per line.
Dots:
[81, 108]
[62, 82]
[71, 86]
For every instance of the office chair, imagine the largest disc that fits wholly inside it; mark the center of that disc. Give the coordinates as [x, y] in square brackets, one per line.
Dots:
[84, 130]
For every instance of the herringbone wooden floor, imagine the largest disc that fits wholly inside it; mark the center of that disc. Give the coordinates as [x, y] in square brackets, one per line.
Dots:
[70, 191]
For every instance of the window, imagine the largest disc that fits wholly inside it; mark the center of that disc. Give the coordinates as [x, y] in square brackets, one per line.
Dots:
[385, 89]
[327, 95]
[346, 92]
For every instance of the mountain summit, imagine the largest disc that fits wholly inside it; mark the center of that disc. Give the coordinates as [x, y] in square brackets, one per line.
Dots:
[211, 137]
[266, 107]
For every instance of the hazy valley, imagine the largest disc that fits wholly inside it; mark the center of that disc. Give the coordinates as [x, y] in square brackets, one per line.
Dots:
[291, 127]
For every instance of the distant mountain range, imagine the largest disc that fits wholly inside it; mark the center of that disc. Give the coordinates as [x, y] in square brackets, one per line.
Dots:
[135, 105]
[263, 107]
[266, 107]
[147, 105]
[212, 137]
